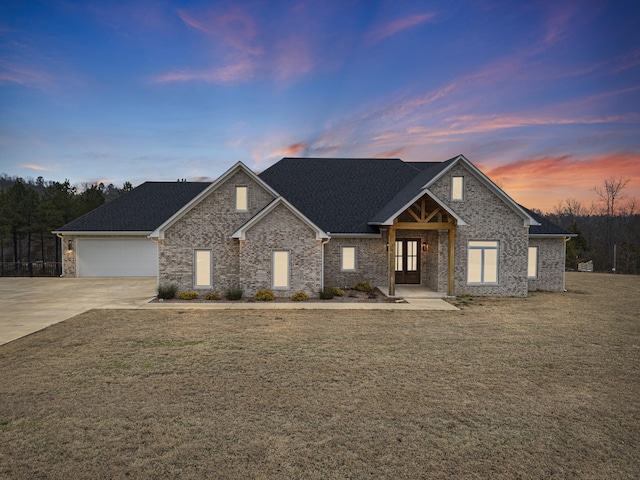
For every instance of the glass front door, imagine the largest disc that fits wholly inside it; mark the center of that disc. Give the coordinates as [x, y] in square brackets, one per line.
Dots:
[407, 259]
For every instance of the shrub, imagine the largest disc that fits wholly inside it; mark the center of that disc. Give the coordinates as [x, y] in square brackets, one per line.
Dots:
[338, 292]
[326, 294]
[213, 296]
[188, 295]
[364, 287]
[264, 295]
[233, 294]
[167, 292]
[300, 297]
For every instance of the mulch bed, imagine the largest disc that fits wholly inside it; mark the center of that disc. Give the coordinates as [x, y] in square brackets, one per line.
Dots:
[350, 296]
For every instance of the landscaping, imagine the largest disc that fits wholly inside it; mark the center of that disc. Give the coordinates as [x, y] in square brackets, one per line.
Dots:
[546, 386]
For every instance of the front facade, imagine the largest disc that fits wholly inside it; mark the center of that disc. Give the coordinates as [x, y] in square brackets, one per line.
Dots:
[300, 226]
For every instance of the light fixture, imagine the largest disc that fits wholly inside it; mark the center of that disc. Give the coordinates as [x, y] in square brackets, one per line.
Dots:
[70, 246]
[387, 246]
[424, 247]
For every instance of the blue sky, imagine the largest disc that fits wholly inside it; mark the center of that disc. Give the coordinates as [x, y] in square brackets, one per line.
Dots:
[543, 96]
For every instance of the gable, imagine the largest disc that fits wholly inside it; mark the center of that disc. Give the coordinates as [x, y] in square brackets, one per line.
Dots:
[238, 175]
[277, 212]
[479, 192]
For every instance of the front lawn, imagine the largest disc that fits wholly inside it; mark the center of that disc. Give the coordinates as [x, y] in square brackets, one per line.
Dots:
[542, 387]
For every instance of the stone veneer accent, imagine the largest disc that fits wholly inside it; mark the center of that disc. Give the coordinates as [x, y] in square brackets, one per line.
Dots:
[209, 225]
[489, 218]
[69, 259]
[281, 229]
[551, 263]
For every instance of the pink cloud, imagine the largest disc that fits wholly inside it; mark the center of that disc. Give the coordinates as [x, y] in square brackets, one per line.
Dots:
[294, 58]
[290, 150]
[32, 166]
[395, 153]
[543, 182]
[192, 22]
[14, 73]
[399, 25]
[235, 28]
[227, 74]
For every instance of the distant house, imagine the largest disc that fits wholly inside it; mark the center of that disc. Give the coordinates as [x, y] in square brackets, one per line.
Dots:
[309, 223]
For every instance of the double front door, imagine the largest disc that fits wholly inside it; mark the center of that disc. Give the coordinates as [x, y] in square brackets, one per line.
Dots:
[407, 260]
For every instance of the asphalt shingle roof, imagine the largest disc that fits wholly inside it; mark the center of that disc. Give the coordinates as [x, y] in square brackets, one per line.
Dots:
[545, 227]
[428, 170]
[340, 195]
[143, 209]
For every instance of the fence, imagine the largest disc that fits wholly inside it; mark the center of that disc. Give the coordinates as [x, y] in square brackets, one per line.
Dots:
[30, 269]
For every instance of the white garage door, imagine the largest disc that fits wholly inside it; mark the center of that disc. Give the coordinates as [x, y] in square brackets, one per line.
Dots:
[117, 257]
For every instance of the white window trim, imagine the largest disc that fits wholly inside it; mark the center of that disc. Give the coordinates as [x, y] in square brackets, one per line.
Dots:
[482, 264]
[537, 264]
[355, 259]
[246, 199]
[453, 197]
[273, 270]
[195, 267]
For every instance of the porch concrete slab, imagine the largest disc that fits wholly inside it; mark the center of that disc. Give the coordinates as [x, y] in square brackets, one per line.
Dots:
[31, 304]
[413, 291]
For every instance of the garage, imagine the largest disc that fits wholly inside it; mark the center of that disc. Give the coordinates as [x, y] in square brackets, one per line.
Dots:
[118, 257]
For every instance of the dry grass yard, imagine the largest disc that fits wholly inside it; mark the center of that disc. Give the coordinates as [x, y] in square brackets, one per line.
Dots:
[543, 387]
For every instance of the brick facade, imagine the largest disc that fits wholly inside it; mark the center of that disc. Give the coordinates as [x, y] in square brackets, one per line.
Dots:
[488, 218]
[551, 262]
[209, 225]
[281, 229]
[371, 262]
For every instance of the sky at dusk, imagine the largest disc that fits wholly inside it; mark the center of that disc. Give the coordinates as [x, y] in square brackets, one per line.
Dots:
[543, 96]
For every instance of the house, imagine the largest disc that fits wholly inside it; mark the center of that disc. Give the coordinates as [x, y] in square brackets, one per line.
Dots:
[308, 223]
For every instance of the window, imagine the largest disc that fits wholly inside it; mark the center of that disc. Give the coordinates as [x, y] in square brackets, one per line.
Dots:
[457, 188]
[280, 269]
[399, 257]
[241, 199]
[482, 262]
[532, 269]
[348, 259]
[202, 268]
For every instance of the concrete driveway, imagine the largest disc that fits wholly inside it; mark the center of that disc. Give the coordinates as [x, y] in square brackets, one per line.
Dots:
[31, 304]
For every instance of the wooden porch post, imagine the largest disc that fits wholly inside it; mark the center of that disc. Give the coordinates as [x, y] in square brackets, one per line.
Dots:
[392, 261]
[451, 257]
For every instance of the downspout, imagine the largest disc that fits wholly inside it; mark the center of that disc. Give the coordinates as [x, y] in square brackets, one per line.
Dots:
[564, 264]
[323, 243]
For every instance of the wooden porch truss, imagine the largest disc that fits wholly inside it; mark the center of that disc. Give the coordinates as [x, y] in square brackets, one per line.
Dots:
[424, 214]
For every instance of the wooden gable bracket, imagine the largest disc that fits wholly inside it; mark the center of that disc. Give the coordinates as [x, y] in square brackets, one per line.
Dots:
[423, 218]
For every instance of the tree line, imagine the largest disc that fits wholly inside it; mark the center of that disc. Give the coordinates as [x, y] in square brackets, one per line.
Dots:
[31, 209]
[608, 230]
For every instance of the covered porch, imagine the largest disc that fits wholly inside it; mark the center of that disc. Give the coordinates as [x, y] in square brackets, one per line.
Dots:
[423, 218]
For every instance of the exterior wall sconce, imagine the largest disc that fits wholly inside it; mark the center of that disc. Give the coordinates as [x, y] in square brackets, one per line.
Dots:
[425, 247]
[70, 246]
[387, 246]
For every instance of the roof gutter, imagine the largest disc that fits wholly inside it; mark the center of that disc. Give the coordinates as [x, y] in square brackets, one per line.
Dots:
[103, 233]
